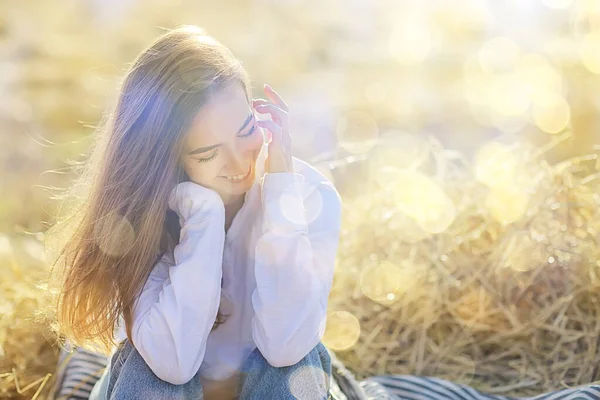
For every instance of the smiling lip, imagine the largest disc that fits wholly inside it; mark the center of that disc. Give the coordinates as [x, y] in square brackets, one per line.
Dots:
[239, 180]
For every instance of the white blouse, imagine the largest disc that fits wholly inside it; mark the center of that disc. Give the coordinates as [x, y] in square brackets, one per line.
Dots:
[271, 271]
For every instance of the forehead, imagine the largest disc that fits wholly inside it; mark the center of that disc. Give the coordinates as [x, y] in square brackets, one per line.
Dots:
[220, 118]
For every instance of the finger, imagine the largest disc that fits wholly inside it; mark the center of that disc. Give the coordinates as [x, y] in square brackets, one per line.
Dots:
[277, 114]
[275, 97]
[270, 107]
[272, 127]
[257, 102]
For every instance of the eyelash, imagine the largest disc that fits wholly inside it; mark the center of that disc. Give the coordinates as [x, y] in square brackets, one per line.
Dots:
[202, 160]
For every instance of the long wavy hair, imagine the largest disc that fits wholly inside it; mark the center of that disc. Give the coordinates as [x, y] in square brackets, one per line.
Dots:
[116, 223]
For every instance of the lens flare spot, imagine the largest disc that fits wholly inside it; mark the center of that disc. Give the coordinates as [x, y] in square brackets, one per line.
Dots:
[382, 282]
[553, 116]
[114, 234]
[342, 330]
[539, 78]
[495, 164]
[309, 382]
[401, 151]
[313, 202]
[510, 95]
[507, 205]
[292, 208]
[303, 209]
[590, 52]
[421, 198]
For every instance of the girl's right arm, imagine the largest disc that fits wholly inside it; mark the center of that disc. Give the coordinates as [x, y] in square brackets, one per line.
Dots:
[178, 305]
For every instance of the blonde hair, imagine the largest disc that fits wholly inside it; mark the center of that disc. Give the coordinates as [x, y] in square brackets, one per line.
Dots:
[108, 242]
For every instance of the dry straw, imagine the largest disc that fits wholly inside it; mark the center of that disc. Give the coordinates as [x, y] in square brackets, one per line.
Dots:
[27, 356]
[484, 273]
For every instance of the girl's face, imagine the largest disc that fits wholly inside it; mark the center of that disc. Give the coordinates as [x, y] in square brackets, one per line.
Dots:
[223, 144]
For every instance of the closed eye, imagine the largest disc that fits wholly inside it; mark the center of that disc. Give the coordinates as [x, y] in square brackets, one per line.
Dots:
[209, 158]
[251, 132]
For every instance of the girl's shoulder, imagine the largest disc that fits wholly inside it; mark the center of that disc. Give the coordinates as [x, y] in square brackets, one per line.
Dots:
[310, 173]
[316, 181]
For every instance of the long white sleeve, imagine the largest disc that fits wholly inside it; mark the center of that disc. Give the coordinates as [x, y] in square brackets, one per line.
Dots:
[178, 305]
[294, 265]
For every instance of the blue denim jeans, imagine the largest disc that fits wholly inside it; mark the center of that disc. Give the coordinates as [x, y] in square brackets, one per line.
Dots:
[128, 377]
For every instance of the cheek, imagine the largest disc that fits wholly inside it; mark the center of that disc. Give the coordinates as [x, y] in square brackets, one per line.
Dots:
[257, 139]
[201, 172]
[251, 144]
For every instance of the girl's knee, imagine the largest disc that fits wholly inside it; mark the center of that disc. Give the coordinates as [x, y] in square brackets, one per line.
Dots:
[318, 356]
[308, 378]
[132, 378]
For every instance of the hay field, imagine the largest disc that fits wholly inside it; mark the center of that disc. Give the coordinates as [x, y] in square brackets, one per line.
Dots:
[463, 139]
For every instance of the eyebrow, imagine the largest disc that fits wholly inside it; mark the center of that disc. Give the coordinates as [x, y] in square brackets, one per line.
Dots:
[205, 149]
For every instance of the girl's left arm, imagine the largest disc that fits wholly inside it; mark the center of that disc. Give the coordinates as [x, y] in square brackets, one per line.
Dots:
[294, 264]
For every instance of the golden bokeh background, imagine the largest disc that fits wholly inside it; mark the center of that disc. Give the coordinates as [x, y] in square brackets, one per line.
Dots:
[463, 137]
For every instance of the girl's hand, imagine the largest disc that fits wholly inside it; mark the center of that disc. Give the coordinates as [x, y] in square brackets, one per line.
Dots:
[279, 157]
[189, 198]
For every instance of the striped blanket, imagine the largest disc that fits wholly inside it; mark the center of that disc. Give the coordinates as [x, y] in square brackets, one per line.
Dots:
[78, 370]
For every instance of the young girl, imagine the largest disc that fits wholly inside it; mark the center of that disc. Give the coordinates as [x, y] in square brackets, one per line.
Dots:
[202, 258]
